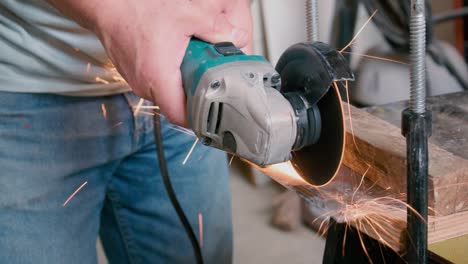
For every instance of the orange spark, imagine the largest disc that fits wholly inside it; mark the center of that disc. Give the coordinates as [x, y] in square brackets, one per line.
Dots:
[104, 111]
[343, 247]
[360, 184]
[284, 173]
[149, 107]
[118, 124]
[375, 57]
[100, 80]
[363, 245]
[182, 130]
[200, 228]
[74, 193]
[138, 107]
[190, 152]
[118, 78]
[359, 32]
[349, 114]
[146, 113]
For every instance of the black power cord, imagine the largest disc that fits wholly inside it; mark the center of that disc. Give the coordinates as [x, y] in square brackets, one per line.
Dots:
[170, 191]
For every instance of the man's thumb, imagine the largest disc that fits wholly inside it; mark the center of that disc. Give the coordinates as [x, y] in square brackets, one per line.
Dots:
[223, 31]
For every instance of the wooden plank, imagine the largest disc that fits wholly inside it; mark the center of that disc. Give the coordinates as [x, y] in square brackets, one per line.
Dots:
[380, 147]
[442, 228]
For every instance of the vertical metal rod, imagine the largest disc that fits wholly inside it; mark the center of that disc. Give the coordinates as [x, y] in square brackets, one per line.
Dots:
[417, 129]
[416, 126]
[312, 20]
[418, 56]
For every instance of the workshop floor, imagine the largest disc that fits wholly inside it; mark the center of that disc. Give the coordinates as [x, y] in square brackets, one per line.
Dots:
[255, 241]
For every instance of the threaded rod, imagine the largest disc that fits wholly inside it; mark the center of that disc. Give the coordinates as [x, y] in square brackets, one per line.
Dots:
[312, 20]
[416, 127]
[418, 56]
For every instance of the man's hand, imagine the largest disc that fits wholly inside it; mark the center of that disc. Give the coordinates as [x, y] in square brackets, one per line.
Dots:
[146, 39]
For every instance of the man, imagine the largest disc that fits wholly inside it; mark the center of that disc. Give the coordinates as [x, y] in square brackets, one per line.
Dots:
[67, 120]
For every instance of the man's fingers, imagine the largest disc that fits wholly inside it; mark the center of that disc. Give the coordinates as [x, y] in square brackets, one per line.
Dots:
[163, 85]
[170, 97]
[240, 16]
[159, 76]
[221, 31]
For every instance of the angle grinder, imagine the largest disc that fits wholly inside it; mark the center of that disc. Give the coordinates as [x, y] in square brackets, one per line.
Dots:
[243, 105]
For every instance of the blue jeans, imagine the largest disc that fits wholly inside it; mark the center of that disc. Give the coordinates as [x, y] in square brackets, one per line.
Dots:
[50, 145]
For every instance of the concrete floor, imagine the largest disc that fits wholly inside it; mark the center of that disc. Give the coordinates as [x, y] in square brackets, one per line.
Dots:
[255, 241]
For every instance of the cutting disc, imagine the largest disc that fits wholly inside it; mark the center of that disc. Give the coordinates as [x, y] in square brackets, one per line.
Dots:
[319, 163]
[310, 69]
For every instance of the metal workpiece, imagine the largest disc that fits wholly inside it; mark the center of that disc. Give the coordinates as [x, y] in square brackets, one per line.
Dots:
[312, 20]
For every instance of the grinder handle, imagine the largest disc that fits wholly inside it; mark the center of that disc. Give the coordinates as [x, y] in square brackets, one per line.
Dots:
[198, 54]
[201, 56]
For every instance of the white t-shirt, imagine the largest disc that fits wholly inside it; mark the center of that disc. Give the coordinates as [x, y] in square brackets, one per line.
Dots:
[41, 51]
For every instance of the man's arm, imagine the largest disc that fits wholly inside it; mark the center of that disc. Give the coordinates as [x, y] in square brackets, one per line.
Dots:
[146, 39]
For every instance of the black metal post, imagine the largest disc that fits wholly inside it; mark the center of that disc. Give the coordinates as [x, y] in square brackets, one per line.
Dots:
[416, 127]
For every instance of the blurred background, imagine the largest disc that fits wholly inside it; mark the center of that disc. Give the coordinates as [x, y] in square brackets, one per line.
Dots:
[279, 24]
